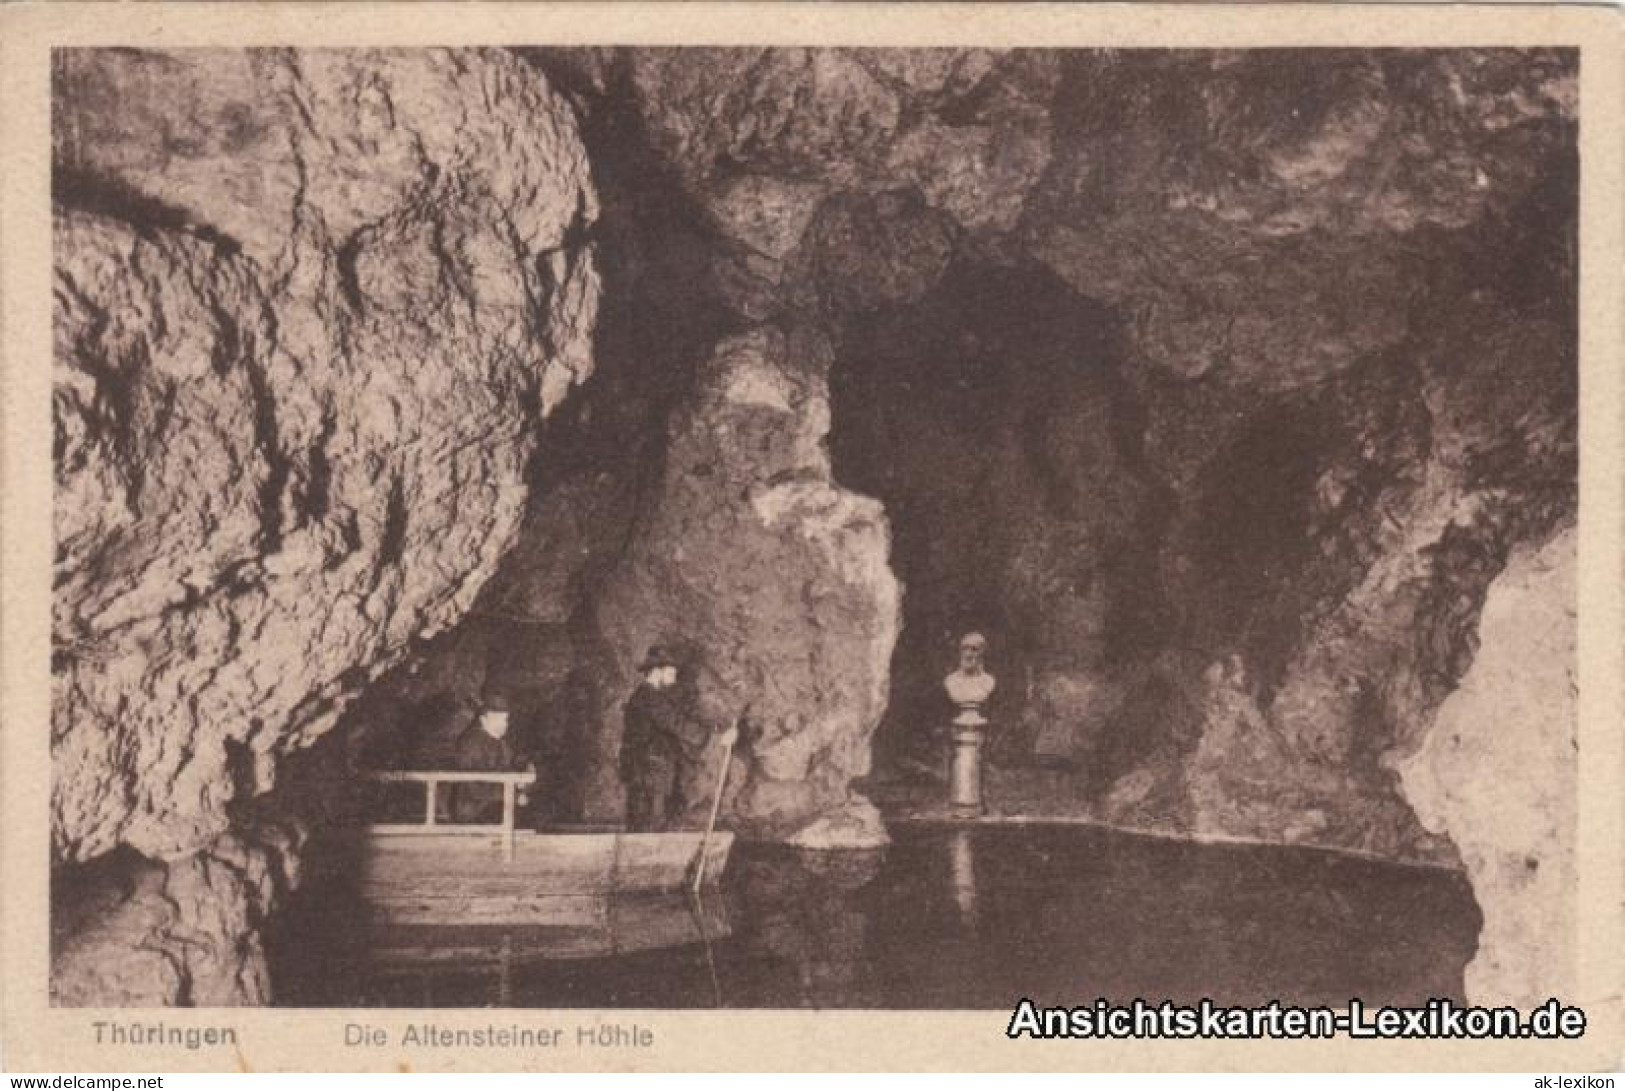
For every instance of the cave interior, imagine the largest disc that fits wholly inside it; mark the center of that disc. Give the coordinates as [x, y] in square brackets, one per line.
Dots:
[1214, 405]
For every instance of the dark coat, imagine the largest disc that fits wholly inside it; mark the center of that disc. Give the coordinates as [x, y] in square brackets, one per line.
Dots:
[662, 717]
[478, 752]
[662, 736]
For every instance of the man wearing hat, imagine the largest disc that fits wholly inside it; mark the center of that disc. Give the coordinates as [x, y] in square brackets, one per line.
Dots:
[663, 737]
[484, 747]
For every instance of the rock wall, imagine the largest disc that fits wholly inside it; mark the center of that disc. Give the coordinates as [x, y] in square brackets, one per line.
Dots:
[310, 309]
[1497, 774]
[1333, 298]
[830, 182]
[1339, 342]
[131, 931]
[1247, 373]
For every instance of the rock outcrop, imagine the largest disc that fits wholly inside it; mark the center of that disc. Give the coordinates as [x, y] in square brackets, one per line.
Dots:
[773, 584]
[311, 307]
[1497, 774]
[143, 933]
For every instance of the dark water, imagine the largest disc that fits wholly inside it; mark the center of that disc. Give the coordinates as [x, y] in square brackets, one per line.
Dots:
[950, 918]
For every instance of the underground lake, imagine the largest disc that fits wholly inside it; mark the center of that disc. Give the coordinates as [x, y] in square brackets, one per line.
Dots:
[949, 916]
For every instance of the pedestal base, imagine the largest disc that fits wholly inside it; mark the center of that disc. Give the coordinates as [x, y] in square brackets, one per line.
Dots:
[965, 774]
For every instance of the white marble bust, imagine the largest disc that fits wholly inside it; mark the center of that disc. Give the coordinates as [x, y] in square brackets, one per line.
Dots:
[970, 686]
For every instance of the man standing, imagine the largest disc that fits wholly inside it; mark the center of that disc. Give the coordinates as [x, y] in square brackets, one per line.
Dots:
[484, 747]
[662, 742]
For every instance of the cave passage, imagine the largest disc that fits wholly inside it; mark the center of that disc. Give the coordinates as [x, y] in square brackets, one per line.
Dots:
[990, 419]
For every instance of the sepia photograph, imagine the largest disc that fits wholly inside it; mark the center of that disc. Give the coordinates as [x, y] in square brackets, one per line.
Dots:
[1022, 530]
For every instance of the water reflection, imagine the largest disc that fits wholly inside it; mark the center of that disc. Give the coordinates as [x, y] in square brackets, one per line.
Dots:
[954, 918]
[962, 868]
[804, 930]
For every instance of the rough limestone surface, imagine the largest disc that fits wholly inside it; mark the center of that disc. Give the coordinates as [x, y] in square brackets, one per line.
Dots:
[773, 585]
[1497, 773]
[305, 329]
[1258, 211]
[1318, 303]
[146, 934]
[968, 129]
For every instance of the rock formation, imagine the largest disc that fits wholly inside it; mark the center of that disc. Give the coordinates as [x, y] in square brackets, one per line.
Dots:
[147, 933]
[1330, 408]
[1334, 344]
[774, 583]
[1219, 387]
[306, 328]
[1497, 774]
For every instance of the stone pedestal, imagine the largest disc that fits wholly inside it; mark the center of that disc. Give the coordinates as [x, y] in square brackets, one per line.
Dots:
[965, 771]
[968, 688]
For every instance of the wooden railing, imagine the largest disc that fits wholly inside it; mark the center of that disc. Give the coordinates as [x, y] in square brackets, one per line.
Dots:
[511, 783]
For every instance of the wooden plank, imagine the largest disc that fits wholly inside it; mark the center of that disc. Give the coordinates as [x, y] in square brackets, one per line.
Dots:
[407, 876]
[432, 878]
[628, 926]
[461, 829]
[552, 910]
[544, 854]
[477, 886]
[450, 777]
